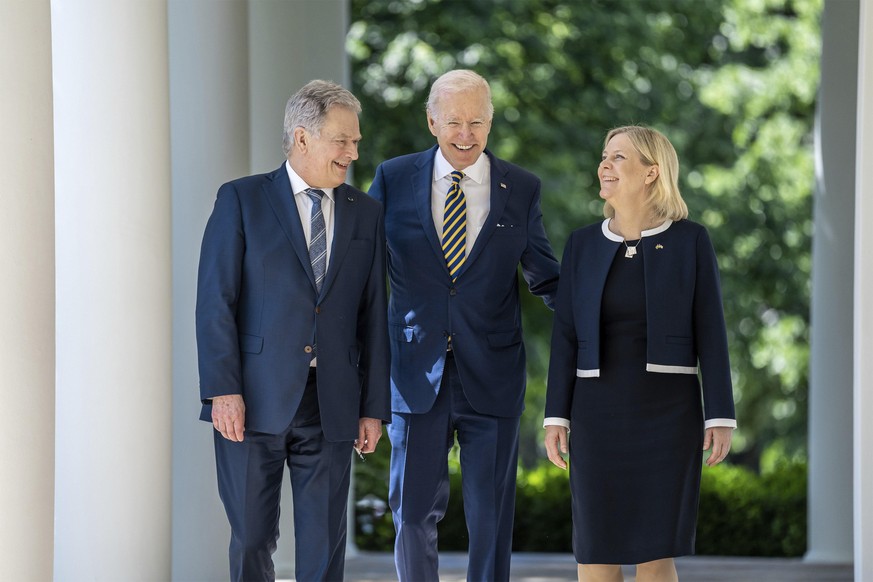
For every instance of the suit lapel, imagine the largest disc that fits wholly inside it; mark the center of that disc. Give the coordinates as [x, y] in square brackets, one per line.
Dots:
[282, 200]
[422, 186]
[344, 211]
[500, 189]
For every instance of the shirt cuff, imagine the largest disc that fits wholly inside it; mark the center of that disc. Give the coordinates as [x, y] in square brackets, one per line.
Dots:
[556, 421]
[720, 422]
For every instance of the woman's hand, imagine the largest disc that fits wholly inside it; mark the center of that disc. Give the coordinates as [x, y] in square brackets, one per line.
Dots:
[556, 444]
[719, 439]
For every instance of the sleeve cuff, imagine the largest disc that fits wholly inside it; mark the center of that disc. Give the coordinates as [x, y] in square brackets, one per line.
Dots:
[720, 422]
[556, 421]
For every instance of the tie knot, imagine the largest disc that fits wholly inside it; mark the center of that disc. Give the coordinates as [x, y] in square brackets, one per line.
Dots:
[315, 194]
[457, 175]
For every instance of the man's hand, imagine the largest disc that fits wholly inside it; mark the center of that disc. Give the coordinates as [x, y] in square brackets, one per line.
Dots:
[229, 416]
[369, 433]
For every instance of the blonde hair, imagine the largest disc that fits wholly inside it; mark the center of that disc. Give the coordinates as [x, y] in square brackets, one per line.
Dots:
[655, 150]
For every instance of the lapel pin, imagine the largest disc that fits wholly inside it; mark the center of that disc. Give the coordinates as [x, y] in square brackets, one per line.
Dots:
[502, 185]
[659, 246]
[351, 198]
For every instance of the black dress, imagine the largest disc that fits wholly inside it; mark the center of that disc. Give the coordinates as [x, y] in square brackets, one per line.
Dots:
[635, 440]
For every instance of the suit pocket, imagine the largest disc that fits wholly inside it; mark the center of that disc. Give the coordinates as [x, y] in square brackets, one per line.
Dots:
[682, 340]
[251, 344]
[507, 229]
[360, 243]
[402, 333]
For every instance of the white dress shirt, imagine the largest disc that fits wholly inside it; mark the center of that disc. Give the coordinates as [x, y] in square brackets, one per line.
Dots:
[476, 185]
[304, 207]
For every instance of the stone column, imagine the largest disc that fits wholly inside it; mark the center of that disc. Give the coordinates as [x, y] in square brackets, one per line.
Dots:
[27, 295]
[830, 393]
[209, 109]
[112, 177]
[863, 368]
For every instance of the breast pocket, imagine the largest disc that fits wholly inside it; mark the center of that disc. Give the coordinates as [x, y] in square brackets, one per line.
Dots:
[509, 229]
[360, 244]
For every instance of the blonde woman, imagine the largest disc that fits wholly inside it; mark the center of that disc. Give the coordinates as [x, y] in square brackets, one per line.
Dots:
[639, 311]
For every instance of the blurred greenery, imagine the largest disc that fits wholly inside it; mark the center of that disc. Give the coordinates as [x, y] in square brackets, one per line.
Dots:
[732, 83]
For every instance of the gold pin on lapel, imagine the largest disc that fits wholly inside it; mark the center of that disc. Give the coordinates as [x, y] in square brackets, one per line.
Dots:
[659, 246]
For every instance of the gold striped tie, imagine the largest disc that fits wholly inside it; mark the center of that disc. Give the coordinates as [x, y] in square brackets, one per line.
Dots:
[455, 226]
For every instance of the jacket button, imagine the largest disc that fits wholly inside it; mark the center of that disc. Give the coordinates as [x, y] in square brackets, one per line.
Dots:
[453, 291]
[317, 309]
[308, 349]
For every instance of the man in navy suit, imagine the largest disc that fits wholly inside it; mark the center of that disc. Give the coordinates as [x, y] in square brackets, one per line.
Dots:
[292, 340]
[458, 221]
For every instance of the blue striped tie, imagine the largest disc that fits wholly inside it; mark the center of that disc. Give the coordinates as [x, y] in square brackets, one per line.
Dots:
[317, 238]
[455, 226]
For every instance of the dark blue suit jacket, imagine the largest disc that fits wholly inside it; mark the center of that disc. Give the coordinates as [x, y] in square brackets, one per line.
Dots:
[481, 310]
[258, 313]
[684, 314]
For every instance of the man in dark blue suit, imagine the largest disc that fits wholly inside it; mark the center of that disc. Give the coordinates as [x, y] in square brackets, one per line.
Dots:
[458, 222]
[292, 340]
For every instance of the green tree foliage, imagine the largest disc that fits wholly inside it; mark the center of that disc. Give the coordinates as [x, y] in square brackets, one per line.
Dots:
[732, 83]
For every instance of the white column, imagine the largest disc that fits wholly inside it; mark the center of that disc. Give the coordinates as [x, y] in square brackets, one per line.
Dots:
[863, 329]
[291, 43]
[27, 294]
[830, 392]
[209, 109]
[112, 171]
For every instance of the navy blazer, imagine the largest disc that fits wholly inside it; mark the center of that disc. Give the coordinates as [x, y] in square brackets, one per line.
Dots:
[684, 313]
[258, 312]
[480, 311]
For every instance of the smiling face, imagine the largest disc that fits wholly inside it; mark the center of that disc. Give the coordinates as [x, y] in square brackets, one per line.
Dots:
[460, 121]
[323, 160]
[624, 177]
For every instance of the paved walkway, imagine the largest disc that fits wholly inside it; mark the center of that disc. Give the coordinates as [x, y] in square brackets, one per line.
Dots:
[538, 567]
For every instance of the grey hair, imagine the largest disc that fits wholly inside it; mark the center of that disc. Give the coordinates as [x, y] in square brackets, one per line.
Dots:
[457, 81]
[309, 106]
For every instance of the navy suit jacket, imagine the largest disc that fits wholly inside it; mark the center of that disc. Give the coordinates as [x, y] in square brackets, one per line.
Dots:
[258, 312]
[480, 311]
[684, 315]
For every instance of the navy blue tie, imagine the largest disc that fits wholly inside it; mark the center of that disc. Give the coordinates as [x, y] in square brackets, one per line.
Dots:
[317, 238]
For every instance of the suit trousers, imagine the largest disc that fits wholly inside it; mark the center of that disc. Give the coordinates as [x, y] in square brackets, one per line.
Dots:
[419, 487]
[250, 477]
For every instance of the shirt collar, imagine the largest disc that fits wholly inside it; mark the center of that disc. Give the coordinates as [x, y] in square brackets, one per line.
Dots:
[298, 186]
[476, 172]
